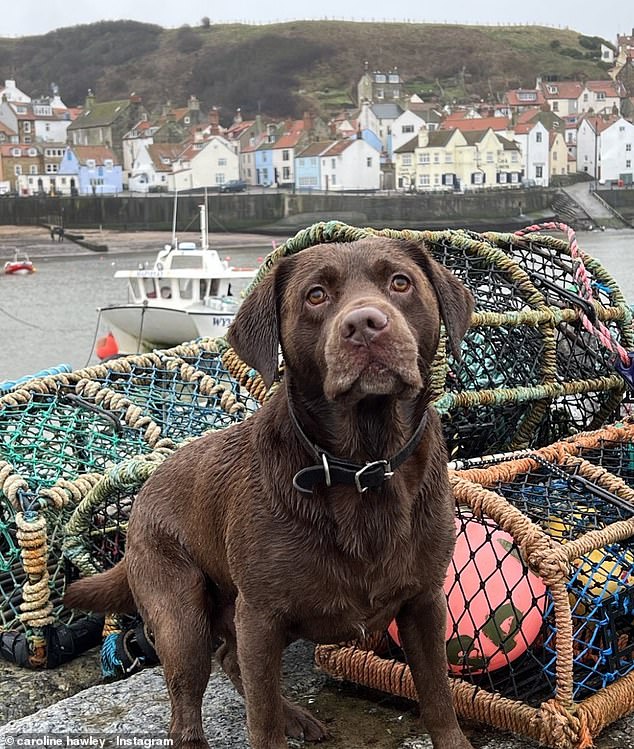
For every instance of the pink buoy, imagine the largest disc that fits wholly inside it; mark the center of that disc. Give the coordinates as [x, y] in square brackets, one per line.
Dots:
[495, 605]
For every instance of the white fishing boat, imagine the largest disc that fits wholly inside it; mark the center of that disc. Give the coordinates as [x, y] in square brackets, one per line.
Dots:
[188, 293]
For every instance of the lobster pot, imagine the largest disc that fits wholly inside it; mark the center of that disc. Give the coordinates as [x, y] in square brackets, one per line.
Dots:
[530, 372]
[59, 437]
[540, 594]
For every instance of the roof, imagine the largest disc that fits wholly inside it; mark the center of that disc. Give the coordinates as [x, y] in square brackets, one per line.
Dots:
[524, 97]
[599, 124]
[507, 144]
[338, 147]
[474, 136]
[562, 89]
[440, 138]
[609, 88]
[99, 154]
[6, 129]
[387, 111]
[467, 124]
[6, 150]
[163, 154]
[315, 149]
[408, 147]
[100, 114]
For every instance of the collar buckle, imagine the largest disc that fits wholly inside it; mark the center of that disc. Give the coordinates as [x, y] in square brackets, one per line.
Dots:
[387, 473]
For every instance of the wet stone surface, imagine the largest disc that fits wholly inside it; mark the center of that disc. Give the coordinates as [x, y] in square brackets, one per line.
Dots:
[50, 702]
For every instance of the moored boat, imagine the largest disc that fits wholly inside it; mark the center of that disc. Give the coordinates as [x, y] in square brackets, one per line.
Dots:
[188, 293]
[20, 265]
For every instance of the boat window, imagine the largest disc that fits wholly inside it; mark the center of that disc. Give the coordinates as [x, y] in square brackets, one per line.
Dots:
[185, 288]
[186, 261]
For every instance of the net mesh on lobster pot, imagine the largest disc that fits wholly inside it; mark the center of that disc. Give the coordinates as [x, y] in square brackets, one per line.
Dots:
[540, 593]
[60, 437]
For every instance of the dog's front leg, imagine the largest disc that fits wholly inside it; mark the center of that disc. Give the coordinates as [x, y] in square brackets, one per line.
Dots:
[421, 626]
[261, 640]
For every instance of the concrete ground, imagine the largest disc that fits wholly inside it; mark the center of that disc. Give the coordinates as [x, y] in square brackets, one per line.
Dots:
[139, 707]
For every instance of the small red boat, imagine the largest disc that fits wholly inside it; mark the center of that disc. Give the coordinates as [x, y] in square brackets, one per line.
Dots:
[20, 265]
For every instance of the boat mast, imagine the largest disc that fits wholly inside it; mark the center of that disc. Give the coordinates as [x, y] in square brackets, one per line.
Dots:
[174, 242]
[204, 234]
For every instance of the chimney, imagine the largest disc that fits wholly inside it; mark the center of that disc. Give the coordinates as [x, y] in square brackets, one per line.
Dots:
[237, 118]
[423, 137]
[308, 121]
[193, 104]
[214, 121]
[90, 100]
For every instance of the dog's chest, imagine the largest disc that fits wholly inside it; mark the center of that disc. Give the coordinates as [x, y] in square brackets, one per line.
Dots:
[349, 600]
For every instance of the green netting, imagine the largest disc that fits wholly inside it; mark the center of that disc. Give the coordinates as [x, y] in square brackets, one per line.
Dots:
[76, 446]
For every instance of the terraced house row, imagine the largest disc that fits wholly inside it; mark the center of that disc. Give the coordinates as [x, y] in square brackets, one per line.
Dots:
[391, 140]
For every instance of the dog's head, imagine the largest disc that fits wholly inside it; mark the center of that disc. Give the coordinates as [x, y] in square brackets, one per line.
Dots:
[354, 319]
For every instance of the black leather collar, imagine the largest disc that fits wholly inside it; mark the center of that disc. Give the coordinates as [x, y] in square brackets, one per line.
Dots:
[331, 470]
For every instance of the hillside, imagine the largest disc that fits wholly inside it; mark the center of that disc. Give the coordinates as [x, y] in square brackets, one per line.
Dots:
[282, 69]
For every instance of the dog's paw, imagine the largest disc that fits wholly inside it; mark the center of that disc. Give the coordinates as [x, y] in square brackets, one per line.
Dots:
[300, 724]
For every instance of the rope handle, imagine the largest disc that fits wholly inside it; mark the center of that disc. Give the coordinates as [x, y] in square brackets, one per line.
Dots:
[624, 360]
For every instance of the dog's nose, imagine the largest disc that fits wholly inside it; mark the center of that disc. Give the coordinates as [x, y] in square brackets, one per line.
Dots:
[363, 325]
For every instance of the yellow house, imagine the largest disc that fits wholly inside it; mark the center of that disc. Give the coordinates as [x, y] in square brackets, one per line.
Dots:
[456, 160]
[557, 154]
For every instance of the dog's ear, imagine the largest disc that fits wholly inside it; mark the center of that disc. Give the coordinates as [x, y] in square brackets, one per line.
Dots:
[255, 331]
[455, 301]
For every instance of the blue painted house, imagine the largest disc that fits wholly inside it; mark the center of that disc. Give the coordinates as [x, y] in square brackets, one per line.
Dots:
[93, 170]
[308, 165]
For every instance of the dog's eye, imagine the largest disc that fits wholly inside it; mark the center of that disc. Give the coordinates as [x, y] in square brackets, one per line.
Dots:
[316, 295]
[400, 283]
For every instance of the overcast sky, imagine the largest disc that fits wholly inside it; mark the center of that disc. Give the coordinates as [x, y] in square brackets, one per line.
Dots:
[605, 18]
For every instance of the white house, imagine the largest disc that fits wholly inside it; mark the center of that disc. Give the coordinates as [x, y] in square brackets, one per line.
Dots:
[605, 148]
[204, 164]
[533, 139]
[405, 127]
[12, 93]
[350, 165]
[379, 118]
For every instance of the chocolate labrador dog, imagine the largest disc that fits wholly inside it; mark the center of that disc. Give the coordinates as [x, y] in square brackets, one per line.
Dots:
[325, 514]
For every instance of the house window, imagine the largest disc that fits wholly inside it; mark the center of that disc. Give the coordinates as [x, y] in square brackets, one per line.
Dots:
[27, 127]
[333, 179]
[502, 178]
[17, 170]
[286, 173]
[33, 169]
[407, 129]
[333, 163]
[407, 159]
[15, 152]
[538, 137]
[91, 163]
[436, 179]
[489, 157]
[423, 158]
[628, 146]
[585, 97]
[368, 161]
[477, 178]
[436, 157]
[220, 178]
[514, 157]
[424, 180]
[448, 157]
[539, 172]
[108, 163]
[555, 155]
[628, 164]
[555, 106]
[222, 162]
[600, 96]
[286, 155]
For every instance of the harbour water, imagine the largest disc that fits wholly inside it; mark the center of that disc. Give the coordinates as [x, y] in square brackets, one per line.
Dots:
[50, 317]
